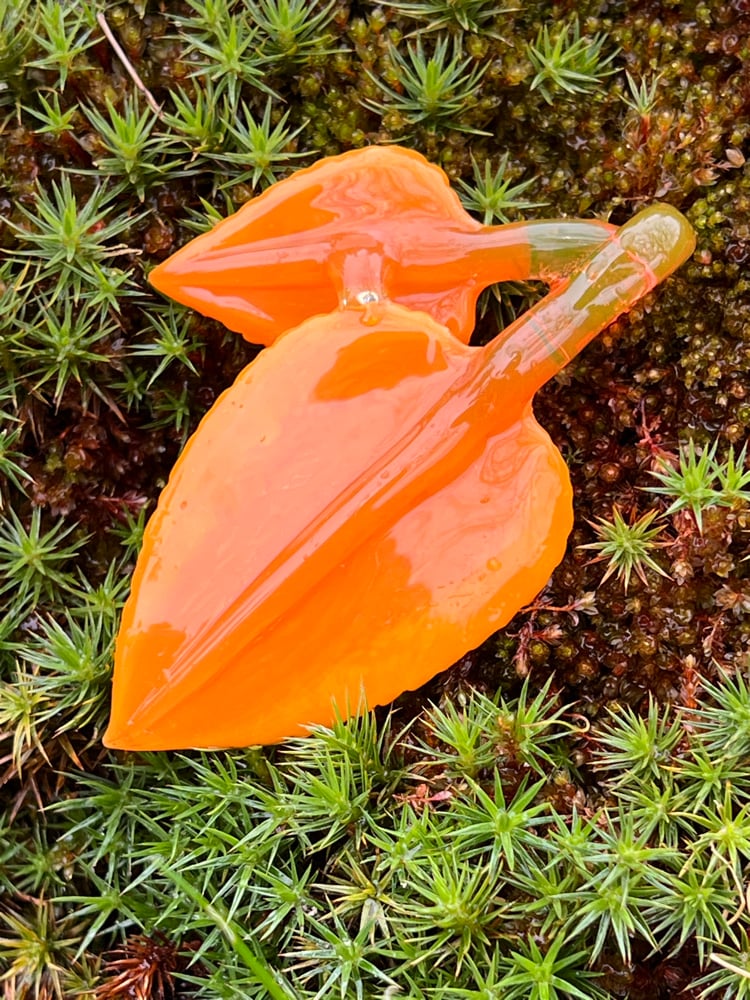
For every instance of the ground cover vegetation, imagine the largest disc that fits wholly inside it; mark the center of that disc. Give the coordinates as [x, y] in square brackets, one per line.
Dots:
[565, 813]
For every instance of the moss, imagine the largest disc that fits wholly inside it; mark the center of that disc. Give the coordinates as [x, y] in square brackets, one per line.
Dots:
[94, 413]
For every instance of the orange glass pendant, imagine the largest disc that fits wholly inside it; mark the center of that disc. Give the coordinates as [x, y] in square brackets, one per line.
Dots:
[372, 497]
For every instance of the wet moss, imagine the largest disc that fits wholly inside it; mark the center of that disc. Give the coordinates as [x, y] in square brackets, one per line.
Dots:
[677, 367]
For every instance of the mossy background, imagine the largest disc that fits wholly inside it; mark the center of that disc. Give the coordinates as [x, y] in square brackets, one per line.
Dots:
[591, 839]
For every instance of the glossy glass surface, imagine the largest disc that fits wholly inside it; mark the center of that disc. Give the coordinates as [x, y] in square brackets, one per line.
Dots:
[381, 218]
[371, 498]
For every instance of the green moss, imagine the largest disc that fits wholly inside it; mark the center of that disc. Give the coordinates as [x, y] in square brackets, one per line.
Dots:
[497, 845]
